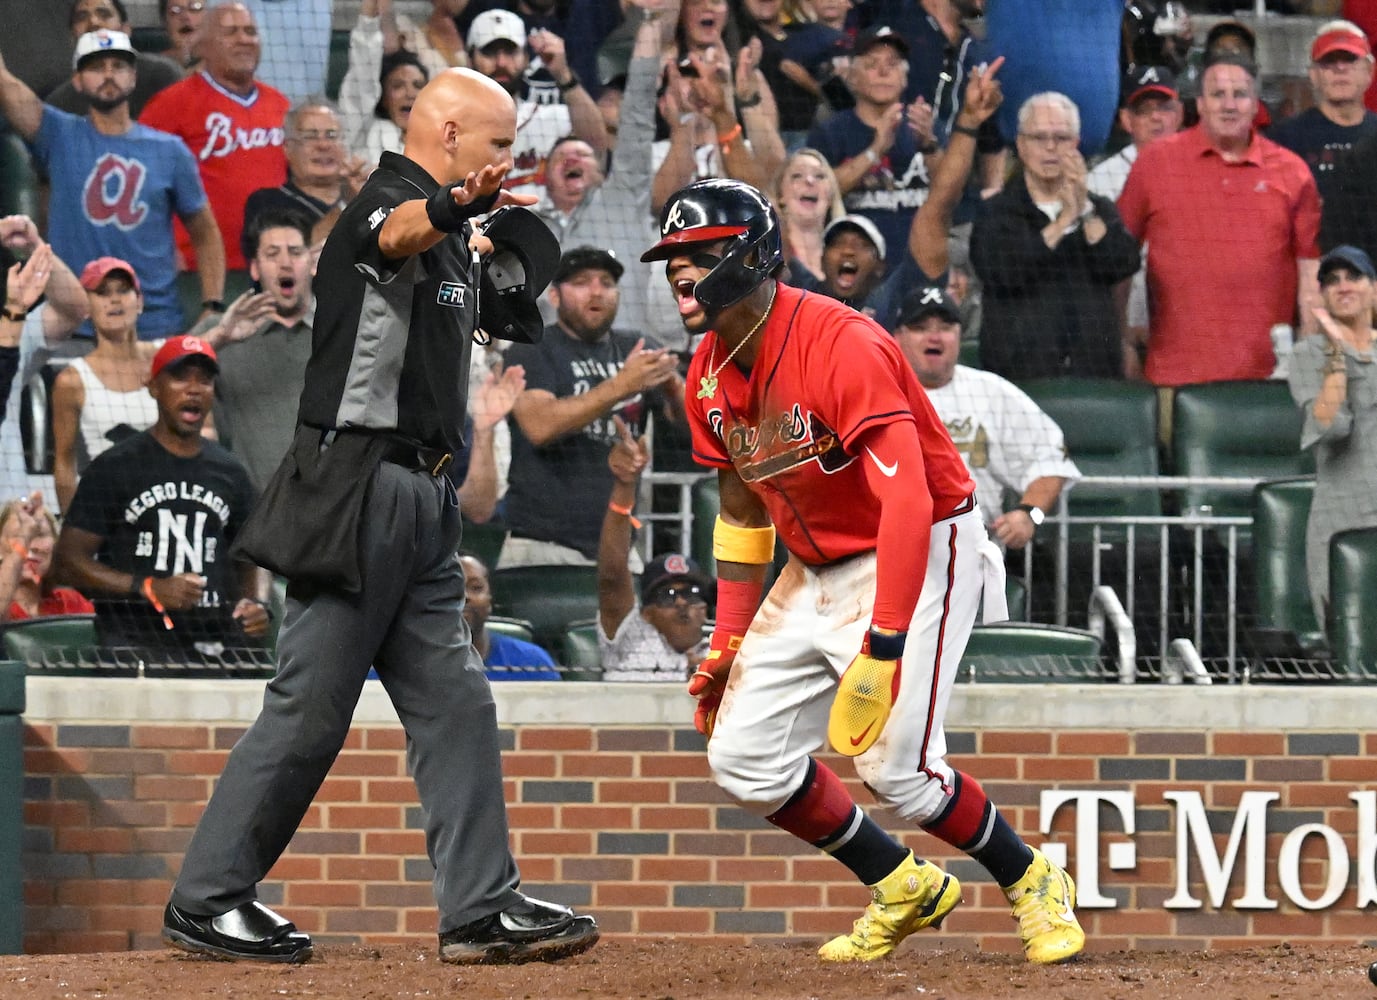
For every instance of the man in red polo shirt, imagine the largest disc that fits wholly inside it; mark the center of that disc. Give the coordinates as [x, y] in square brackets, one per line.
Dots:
[231, 123]
[1231, 220]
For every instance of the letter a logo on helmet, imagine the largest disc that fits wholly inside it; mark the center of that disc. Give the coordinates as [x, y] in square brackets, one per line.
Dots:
[674, 219]
[734, 214]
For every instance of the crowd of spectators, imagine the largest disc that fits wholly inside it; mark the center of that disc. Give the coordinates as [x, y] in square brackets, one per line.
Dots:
[1136, 212]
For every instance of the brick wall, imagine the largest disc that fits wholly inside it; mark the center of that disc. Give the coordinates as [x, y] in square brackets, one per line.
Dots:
[623, 820]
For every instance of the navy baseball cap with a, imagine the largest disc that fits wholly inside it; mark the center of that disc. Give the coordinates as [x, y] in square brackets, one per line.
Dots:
[671, 568]
[1351, 257]
[929, 300]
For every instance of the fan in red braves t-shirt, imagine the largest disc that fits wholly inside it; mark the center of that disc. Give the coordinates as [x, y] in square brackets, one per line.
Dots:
[231, 123]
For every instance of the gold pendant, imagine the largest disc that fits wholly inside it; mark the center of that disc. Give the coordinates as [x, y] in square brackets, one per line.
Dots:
[707, 387]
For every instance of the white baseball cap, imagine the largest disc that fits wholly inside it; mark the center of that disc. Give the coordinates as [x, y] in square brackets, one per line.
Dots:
[497, 26]
[859, 224]
[96, 43]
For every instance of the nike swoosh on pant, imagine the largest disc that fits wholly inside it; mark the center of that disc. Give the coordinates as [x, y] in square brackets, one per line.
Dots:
[887, 471]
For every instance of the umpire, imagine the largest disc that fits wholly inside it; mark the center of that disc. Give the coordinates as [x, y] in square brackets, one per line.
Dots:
[364, 522]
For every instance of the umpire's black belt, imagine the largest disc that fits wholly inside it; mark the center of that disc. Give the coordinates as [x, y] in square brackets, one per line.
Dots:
[416, 458]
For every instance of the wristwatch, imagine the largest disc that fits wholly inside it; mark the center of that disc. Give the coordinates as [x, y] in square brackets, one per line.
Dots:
[1036, 514]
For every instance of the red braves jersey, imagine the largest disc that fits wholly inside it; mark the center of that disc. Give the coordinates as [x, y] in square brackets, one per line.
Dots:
[824, 375]
[237, 142]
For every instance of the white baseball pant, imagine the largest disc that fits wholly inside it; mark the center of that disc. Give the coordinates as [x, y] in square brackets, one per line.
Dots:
[774, 710]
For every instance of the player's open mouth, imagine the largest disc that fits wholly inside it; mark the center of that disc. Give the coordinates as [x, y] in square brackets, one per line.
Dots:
[683, 295]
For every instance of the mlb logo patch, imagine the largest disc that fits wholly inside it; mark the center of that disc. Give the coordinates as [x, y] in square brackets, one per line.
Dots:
[451, 294]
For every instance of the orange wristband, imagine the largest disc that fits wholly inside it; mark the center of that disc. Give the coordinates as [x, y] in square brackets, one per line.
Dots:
[725, 141]
[157, 604]
[624, 512]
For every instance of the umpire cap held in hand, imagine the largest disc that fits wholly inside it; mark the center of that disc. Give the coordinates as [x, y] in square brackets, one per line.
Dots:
[524, 257]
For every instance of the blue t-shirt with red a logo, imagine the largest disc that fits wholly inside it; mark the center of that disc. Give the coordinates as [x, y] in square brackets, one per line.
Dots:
[115, 196]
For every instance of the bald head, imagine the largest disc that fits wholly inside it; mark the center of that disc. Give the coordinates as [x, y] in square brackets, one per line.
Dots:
[461, 122]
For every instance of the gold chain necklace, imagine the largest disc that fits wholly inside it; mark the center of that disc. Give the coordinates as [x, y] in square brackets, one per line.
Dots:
[707, 384]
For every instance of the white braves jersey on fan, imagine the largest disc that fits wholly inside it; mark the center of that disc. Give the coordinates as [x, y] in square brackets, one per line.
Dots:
[1006, 440]
[538, 128]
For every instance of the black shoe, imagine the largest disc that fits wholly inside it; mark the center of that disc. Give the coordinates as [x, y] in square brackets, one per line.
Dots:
[527, 931]
[249, 931]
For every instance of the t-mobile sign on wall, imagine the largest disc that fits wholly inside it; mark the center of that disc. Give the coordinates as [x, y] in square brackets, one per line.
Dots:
[1212, 871]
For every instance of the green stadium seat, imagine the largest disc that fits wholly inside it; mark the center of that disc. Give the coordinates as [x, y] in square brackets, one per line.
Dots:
[57, 644]
[1286, 625]
[1020, 652]
[338, 64]
[150, 39]
[18, 181]
[516, 628]
[551, 598]
[581, 657]
[1352, 582]
[969, 354]
[1111, 430]
[484, 540]
[706, 502]
[1235, 429]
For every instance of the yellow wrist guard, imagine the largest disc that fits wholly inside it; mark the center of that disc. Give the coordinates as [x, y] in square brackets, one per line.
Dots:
[742, 545]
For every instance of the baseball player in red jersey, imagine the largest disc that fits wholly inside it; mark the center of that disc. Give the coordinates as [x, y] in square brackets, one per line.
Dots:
[820, 431]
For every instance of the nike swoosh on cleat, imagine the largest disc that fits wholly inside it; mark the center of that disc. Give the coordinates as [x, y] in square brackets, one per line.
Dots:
[887, 470]
[1066, 912]
[856, 740]
[928, 910]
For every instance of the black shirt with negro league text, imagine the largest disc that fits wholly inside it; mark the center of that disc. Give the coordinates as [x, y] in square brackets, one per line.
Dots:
[160, 514]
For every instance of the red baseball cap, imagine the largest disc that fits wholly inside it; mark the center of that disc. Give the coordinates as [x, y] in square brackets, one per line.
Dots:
[1340, 40]
[177, 349]
[95, 272]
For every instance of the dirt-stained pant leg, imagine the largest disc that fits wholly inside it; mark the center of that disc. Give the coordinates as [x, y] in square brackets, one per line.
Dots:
[906, 768]
[774, 712]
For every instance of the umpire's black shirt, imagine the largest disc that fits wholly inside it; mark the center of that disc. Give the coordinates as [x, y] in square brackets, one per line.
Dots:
[391, 341]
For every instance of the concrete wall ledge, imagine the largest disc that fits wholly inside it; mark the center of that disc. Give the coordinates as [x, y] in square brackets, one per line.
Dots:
[1221, 708]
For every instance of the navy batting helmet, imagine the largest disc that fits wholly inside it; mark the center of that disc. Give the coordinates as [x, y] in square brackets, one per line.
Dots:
[722, 209]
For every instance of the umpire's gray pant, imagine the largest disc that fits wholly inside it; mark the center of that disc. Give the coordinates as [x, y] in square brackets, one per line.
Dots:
[408, 622]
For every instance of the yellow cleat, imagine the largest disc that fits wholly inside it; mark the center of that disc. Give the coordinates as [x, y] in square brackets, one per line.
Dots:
[915, 895]
[862, 704]
[1043, 901]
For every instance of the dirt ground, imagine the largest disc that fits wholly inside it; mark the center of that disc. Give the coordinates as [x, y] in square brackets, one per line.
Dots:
[681, 970]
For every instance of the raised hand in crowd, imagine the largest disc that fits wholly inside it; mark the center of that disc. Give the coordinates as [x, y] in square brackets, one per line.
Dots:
[27, 280]
[245, 316]
[353, 171]
[629, 456]
[919, 118]
[497, 395]
[1074, 188]
[19, 235]
[983, 95]
[645, 368]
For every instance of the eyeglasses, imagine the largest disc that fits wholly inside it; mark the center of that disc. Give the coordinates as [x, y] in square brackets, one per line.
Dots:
[1050, 138]
[195, 7]
[690, 593]
[311, 135]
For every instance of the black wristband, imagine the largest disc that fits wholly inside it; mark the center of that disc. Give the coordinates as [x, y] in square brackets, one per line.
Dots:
[974, 133]
[746, 103]
[447, 216]
[884, 647]
[569, 84]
